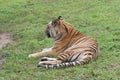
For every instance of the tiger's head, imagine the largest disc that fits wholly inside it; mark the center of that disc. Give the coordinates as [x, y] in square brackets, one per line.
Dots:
[58, 28]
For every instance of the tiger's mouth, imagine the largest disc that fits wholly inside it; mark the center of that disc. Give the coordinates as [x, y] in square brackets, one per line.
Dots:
[48, 34]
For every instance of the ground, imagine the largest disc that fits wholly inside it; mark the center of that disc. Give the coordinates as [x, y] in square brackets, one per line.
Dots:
[26, 20]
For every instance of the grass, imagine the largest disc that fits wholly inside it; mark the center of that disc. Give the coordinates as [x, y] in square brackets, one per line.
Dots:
[26, 20]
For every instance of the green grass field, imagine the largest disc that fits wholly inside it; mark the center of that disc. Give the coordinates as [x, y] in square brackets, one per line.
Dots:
[26, 20]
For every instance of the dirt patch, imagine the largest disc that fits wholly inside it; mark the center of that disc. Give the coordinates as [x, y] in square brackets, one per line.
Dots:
[5, 38]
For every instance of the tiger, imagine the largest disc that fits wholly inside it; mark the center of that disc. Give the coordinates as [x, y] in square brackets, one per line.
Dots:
[71, 47]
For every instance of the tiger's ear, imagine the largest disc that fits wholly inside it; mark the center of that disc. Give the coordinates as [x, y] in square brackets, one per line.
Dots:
[56, 21]
[60, 18]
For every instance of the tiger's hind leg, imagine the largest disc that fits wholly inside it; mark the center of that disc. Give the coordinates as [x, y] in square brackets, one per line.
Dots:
[65, 60]
[48, 59]
[60, 63]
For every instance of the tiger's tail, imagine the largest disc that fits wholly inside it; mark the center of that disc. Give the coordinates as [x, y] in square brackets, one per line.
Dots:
[64, 64]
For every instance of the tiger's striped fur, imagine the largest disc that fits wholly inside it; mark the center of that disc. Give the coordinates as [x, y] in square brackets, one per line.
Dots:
[71, 47]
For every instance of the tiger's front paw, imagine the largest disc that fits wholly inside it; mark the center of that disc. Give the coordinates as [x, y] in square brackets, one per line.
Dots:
[31, 56]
